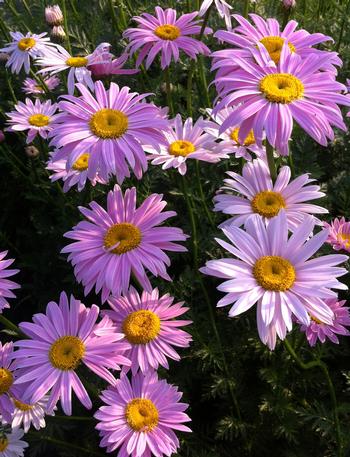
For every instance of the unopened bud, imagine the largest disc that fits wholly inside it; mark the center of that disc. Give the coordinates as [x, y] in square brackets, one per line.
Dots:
[4, 57]
[163, 88]
[2, 136]
[32, 151]
[58, 33]
[53, 15]
[289, 4]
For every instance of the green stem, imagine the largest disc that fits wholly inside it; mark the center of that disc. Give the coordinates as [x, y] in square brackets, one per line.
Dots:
[204, 204]
[168, 91]
[11, 326]
[66, 444]
[65, 18]
[194, 236]
[189, 89]
[342, 27]
[271, 161]
[286, 15]
[114, 16]
[122, 14]
[246, 8]
[291, 164]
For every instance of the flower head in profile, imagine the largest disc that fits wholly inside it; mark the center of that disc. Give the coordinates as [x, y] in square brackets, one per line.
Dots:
[258, 195]
[37, 118]
[27, 415]
[185, 141]
[58, 342]
[54, 15]
[112, 126]
[339, 234]
[33, 87]
[121, 241]
[104, 64]
[139, 417]
[6, 285]
[166, 35]
[7, 377]
[11, 444]
[277, 273]
[224, 10]
[148, 324]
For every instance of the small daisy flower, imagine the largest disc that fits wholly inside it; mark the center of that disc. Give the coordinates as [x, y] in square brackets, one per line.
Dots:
[29, 414]
[26, 47]
[317, 330]
[35, 117]
[185, 141]
[33, 87]
[105, 65]
[7, 376]
[339, 234]
[222, 7]
[121, 241]
[11, 444]
[166, 35]
[139, 417]
[258, 195]
[58, 342]
[6, 286]
[149, 326]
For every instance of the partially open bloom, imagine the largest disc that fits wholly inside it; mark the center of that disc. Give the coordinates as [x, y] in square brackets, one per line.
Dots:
[140, 417]
[26, 47]
[185, 141]
[58, 342]
[6, 286]
[166, 35]
[289, 4]
[149, 326]
[277, 273]
[258, 195]
[53, 15]
[121, 241]
[58, 33]
[112, 127]
[35, 117]
[11, 444]
[318, 330]
[105, 65]
[29, 414]
[7, 377]
[222, 7]
[31, 86]
[339, 234]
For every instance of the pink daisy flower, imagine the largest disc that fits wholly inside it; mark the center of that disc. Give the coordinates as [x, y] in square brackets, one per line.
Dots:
[339, 234]
[113, 125]
[6, 286]
[25, 47]
[258, 195]
[271, 97]
[222, 7]
[59, 341]
[30, 414]
[166, 35]
[104, 65]
[185, 141]
[11, 443]
[121, 241]
[140, 417]
[7, 377]
[149, 326]
[35, 117]
[31, 86]
[277, 273]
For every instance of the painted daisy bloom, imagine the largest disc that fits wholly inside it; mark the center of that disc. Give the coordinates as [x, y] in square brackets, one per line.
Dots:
[271, 97]
[277, 273]
[7, 376]
[185, 141]
[222, 7]
[30, 414]
[140, 417]
[6, 286]
[26, 47]
[166, 35]
[149, 326]
[32, 87]
[112, 126]
[11, 444]
[36, 117]
[58, 342]
[258, 195]
[105, 65]
[339, 234]
[121, 241]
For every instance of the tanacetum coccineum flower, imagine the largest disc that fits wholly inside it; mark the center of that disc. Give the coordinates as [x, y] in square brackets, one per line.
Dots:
[148, 324]
[339, 234]
[121, 241]
[11, 443]
[105, 65]
[277, 273]
[167, 35]
[112, 126]
[6, 285]
[58, 342]
[222, 7]
[140, 417]
[29, 414]
[33, 87]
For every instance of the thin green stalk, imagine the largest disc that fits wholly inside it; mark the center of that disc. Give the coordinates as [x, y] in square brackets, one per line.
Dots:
[168, 91]
[17, 164]
[271, 161]
[27, 8]
[189, 89]
[194, 236]
[286, 16]
[114, 16]
[4, 29]
[342, 27]
[246, 8]
[10, 325]
[291, 164]
[122, 14]
[65, 18]
[66, 444]
[201, 193]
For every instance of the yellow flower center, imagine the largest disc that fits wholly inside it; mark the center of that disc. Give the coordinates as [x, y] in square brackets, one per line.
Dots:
[141, 415]
[313, 318]
[26, 43]
[6, 380]
[127, 235]
[345, 238]
[141, 327]
[22, 406]
[168, 32]
[39, 120]
[249, 139]
[109, 123]
[3, 444]
[268, 203]
[67, 352]
[281, 88]
[181, 148]
[77, 62]
[273, 272]
[82, 163]
[274, 45]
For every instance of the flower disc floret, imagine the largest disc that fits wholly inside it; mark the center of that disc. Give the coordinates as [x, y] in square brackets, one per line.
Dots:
[248, 141]
[3, 444]
[6, 380]
[66, 353]
[274, 45]
[141, 327]
[168, 32]
[273, 272]
[26, 43]
[82, 163]
[77, 62]
[268, 203]
[124, 236]
[281, 88]
[181, 148]
[141, 415]
[22, 406]
[109, 123]
[39, 120]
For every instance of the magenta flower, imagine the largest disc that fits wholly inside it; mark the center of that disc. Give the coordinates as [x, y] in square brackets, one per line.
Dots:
[6, 286]
[30, 414]
[258, 195]
[104, 65]
[272, 97]
[140, 417]
[150, 328]
[339, 234]
[111, 126]
[7, 377]
[59, 341]
[277, 273]
[121, 241]
[32, 87]
[166, 35]
[222, 7]
[320, 330]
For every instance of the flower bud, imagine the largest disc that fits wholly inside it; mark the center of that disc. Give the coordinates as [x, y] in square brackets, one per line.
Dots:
[58, 33]
[4, 57]
[31, 151]
[53, 15]
[289, 4]
[2, 136]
